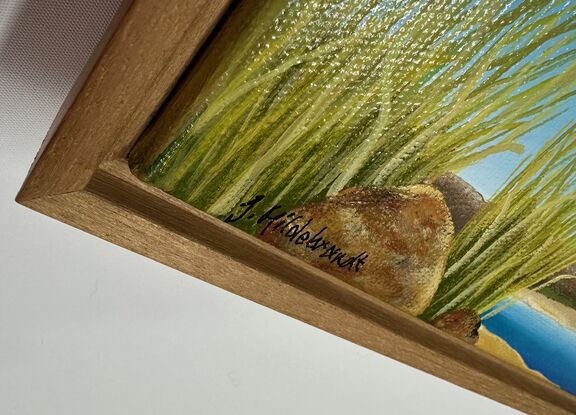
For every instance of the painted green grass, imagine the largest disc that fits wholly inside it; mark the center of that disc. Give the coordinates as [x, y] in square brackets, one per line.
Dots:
[524, 235]
[328, 94]
[323, 95]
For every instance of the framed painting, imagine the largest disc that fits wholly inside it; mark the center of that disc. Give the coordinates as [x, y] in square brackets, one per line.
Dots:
[399, 173]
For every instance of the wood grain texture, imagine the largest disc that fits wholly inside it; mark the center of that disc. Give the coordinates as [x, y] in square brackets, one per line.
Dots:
[204, 73]
[119, 208]
[81, 178]
[143, 59]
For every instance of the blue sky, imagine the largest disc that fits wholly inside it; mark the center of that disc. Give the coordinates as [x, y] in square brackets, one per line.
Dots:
[489, 174]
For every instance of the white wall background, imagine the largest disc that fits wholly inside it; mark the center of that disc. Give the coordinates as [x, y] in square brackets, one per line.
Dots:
[89, 328]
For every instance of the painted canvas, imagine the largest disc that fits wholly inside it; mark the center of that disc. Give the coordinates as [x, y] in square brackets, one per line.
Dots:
[423, 151]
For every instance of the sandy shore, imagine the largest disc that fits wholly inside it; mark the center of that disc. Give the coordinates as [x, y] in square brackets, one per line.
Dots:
[562, 314]
[497, 347]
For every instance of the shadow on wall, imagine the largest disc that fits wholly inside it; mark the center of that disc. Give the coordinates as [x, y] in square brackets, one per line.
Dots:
[46, 51]
[42, 45]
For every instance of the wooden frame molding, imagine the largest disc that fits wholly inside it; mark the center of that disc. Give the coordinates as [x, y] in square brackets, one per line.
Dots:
[81, 178]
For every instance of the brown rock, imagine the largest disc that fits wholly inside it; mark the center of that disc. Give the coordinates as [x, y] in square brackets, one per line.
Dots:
[563, 290]
[460, 323]
[462, 199]
[405, 232]
[567, 287]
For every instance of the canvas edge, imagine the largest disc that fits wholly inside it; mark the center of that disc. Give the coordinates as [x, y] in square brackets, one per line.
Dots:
[59, 181]
[149, 49]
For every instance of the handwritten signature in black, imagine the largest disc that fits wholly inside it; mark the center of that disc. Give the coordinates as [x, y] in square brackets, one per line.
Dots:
[292, 226]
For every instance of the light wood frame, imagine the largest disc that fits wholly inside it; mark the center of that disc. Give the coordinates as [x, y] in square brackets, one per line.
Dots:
[81, 177]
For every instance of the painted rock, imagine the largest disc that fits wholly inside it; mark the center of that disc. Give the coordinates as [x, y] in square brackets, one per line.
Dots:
[462, 199]
[562, 290]
[391, 243]
[463, 324]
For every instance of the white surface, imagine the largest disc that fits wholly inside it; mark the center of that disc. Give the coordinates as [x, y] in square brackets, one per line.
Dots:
[89, 328]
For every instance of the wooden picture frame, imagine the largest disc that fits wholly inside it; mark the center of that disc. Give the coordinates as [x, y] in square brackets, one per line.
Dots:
[81, 178]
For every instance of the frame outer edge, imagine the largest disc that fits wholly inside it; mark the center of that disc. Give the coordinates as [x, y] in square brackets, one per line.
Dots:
[146, 54]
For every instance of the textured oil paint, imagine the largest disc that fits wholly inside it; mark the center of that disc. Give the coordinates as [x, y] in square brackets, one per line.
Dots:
[421, 151]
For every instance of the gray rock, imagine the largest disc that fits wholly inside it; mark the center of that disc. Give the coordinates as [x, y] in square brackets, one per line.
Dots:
[462, 199]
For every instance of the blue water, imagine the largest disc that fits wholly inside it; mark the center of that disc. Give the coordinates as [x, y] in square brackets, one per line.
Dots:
[545, 345]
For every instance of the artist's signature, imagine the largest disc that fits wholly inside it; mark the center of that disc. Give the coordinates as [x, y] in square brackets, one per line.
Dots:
[293, 227]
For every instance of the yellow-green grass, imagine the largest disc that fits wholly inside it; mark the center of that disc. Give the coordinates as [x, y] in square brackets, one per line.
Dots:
[523, 236]
[322, 95]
